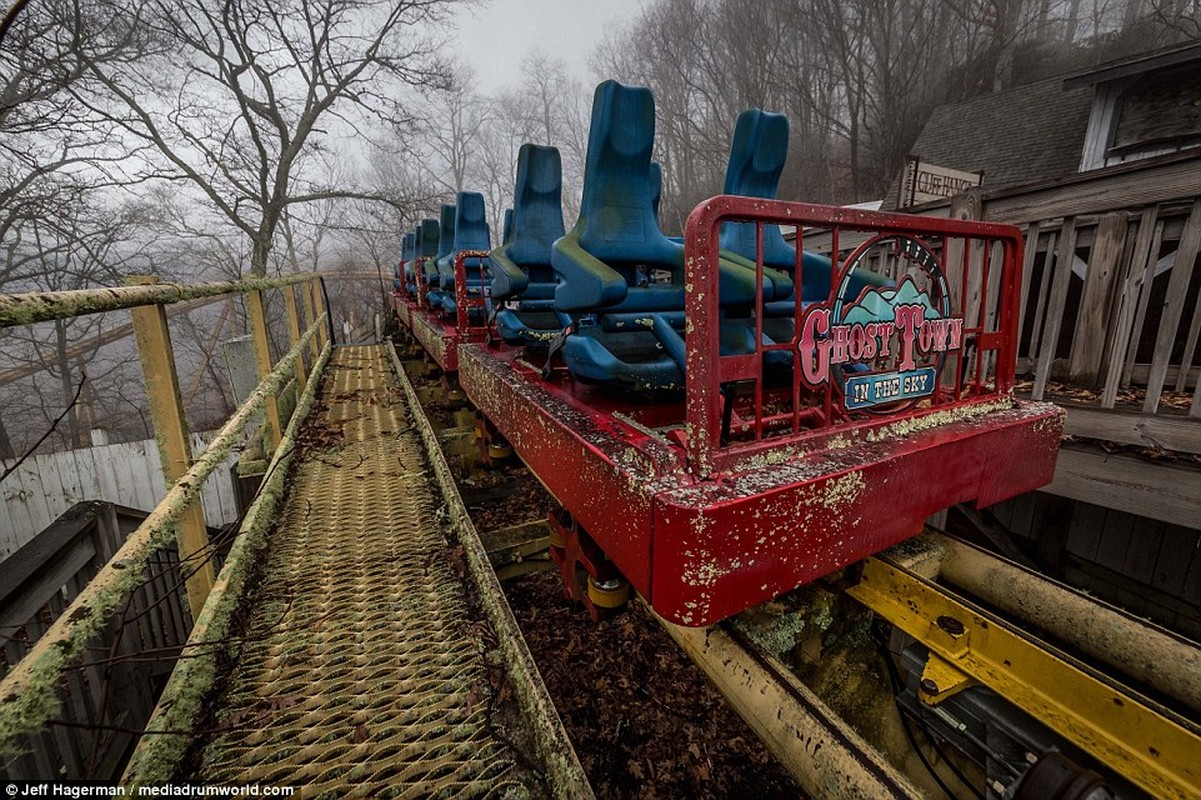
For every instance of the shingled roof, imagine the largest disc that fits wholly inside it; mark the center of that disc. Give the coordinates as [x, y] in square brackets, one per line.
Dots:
[1025, 135]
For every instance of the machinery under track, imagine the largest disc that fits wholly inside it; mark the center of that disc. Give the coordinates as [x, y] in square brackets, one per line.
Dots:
[364, 666]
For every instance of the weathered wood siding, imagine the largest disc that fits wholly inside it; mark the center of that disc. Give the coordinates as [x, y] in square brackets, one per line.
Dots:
[128, 474]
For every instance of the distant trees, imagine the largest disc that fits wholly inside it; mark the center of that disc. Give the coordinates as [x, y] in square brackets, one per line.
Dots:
[858, 79]
[242, 97]
[225, 116]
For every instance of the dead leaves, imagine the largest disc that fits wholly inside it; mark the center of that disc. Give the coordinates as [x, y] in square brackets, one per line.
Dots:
[645, 721]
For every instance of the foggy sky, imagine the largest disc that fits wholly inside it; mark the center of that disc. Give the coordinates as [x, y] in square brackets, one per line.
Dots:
[495, 37]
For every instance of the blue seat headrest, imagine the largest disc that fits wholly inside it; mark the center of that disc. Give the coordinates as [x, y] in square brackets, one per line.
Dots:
[537, 205]
[428, 234]
[407, 246]
[471, 224]
[617, 210]
[446, 233]
[757, 155]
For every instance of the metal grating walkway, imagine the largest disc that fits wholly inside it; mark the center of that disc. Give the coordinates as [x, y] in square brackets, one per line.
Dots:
[364, 675]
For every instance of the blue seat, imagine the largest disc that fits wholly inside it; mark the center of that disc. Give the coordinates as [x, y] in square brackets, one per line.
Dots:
[616, 268]
[757, 155]
[521, 268]
[425, 248]
[507, 233]
[445, 274]
[470, 233]
[404, 269]
[656, 179]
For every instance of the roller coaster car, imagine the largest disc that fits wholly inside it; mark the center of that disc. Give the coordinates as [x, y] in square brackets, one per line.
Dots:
[759, 462]
[522, 276]
[457, 309]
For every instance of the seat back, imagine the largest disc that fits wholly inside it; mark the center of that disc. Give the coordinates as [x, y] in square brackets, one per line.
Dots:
[757, 155]
[471, 233]
[656, 179]
[617, 205]
[446, 245]
[405, 269]
[537, 211]
[507, 234]
[617, 225]
[471, 223]
[428, 238]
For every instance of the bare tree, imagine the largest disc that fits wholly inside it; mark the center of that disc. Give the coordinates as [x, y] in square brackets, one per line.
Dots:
[456, 117]
[245, 96]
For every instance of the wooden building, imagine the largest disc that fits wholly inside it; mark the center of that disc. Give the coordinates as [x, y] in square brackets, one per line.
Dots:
[1102, 171]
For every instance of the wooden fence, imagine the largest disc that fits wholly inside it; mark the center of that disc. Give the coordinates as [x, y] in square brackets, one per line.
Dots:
[108, 698]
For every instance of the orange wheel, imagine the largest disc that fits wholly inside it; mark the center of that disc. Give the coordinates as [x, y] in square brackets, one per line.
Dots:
[613, 593]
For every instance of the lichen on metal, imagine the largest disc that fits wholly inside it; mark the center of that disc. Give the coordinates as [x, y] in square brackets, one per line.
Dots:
[31, 307]
[159, 754]
[356, 656]
[29, 691]
[563, 771]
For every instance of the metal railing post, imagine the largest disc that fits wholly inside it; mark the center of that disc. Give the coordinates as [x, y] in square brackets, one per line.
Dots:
[170, 428]
[262, 356]
[294, 330]
[310, 316]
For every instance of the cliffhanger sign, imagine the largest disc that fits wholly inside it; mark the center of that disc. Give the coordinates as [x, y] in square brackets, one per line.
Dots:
[922, 182]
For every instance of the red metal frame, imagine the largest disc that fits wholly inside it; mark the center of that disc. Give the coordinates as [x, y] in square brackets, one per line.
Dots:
[466, 299]
[704, 530]
[707, 369]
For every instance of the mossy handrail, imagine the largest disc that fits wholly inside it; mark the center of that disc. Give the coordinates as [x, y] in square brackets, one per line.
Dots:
[29, 692]
[28, 308]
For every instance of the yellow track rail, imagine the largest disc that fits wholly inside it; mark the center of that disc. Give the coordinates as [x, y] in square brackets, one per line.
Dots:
[969, 645]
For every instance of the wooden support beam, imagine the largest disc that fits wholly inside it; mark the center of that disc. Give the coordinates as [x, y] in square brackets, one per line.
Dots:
[294, 331]
[171, 433]
[310, 315]
[1158, 491]
[319, 306]
[262, 356]
[1129, 301]
[1031, 245]
[1144, 299]
[1173, 307]
[1158, 431]
[1055, 307]
[1096, 303]
[1040, 303]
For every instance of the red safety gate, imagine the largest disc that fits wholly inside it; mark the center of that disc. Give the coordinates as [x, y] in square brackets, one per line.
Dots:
[974, 266]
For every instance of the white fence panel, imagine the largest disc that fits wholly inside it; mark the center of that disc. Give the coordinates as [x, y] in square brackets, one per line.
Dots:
[129, 474]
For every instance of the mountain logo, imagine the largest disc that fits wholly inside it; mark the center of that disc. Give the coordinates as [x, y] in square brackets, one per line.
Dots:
[889, 326]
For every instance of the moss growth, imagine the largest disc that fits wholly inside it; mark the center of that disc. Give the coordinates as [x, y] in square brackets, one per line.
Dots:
[157, 758]
[33, 307]
[30, 689]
